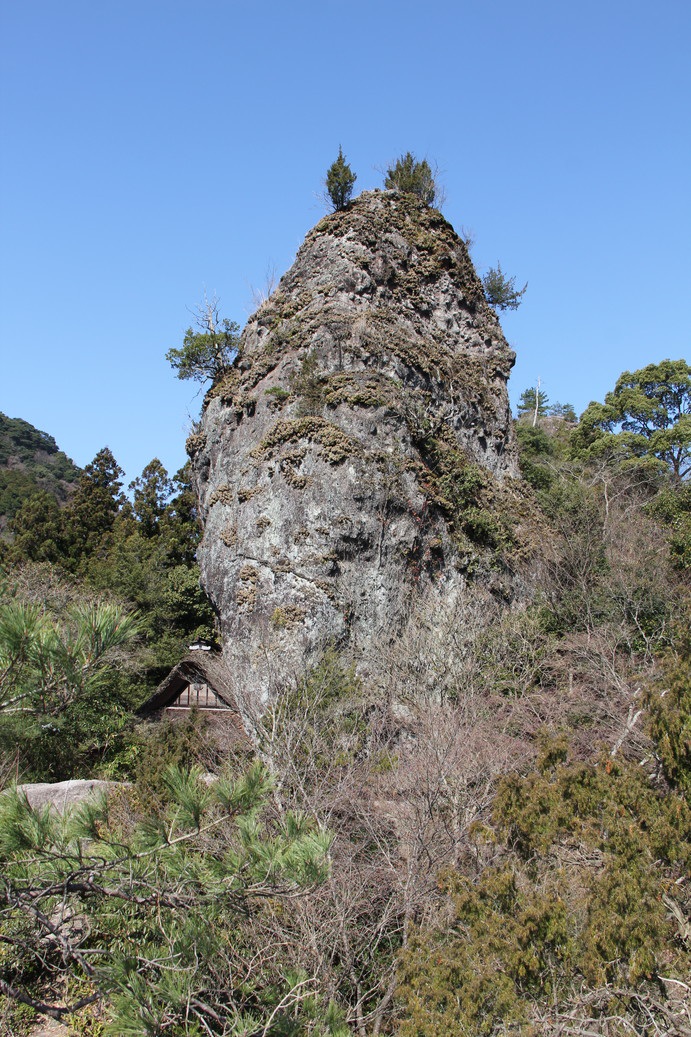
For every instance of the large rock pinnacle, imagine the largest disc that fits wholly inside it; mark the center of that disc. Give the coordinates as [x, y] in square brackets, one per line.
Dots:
[346, 468]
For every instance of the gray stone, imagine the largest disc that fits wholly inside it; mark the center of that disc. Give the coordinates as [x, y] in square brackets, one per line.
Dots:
[318, 461]
[51, 1028]
[63, 794]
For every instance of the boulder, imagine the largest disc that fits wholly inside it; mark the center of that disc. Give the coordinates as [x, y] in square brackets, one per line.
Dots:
[352, 468]
[63, 794]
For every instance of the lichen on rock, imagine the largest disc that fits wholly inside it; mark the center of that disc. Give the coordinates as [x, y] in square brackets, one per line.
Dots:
[360, 452]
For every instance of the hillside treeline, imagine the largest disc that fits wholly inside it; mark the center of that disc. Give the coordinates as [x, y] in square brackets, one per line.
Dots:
[29, 462]
[62, 563]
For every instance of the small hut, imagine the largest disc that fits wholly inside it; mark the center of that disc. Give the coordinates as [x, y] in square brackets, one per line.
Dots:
[200, 681]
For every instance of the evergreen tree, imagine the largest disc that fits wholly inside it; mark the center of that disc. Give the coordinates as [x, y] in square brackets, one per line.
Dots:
[172, 930]
[47, 663]
[412, 177]
[533, 403]
[91, 514]
[180, 526]
[501, 291]
[38, 530]
[537, 452]
[647, 415]
[339, 182]
[672, 507]
[207, 353]
[530, 947]
[565, 411]
[63, 705]
[148, 558]
[151, 491]
[669, 705]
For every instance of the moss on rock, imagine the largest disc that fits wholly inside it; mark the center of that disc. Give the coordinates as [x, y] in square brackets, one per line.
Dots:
[335, 444]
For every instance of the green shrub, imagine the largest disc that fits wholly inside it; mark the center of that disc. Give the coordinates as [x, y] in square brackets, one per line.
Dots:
[536, 451]
[277, 392]
[412, 177]
[570, 917]
[669, 708]
[672, 507]
[157, 918]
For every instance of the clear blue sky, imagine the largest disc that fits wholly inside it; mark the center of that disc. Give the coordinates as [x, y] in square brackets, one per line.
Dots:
[156, 149]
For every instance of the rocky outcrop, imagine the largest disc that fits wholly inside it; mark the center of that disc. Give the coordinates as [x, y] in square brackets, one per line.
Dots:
[63, 795]
[353, 465]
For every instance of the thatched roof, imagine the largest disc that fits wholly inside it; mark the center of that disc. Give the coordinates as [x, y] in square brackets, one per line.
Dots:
[198, 667]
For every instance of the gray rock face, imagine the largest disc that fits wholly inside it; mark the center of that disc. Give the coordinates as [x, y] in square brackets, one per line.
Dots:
[61, 795]
[346, 467]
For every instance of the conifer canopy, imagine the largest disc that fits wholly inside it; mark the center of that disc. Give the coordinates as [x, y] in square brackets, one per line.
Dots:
[339, 182]
[412, 177]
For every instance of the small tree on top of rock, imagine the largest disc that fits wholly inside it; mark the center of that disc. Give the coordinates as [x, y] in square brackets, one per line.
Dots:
[339, 182]
[501, 291]
[412, 177]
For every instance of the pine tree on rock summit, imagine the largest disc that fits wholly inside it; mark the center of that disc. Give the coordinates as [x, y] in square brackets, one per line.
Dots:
[339, 182]
[412, 177]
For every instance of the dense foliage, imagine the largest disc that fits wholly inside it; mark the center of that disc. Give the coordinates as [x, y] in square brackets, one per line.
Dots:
[162, 914]
[411, 176]
[508, 819]
[104, 556]
[647, 415]
[58, 699]
[30, 462]
[573, 918]
[670, 708]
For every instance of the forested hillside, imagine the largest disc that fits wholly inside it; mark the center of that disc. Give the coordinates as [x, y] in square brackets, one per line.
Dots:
[64, 564]
[30, 461]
